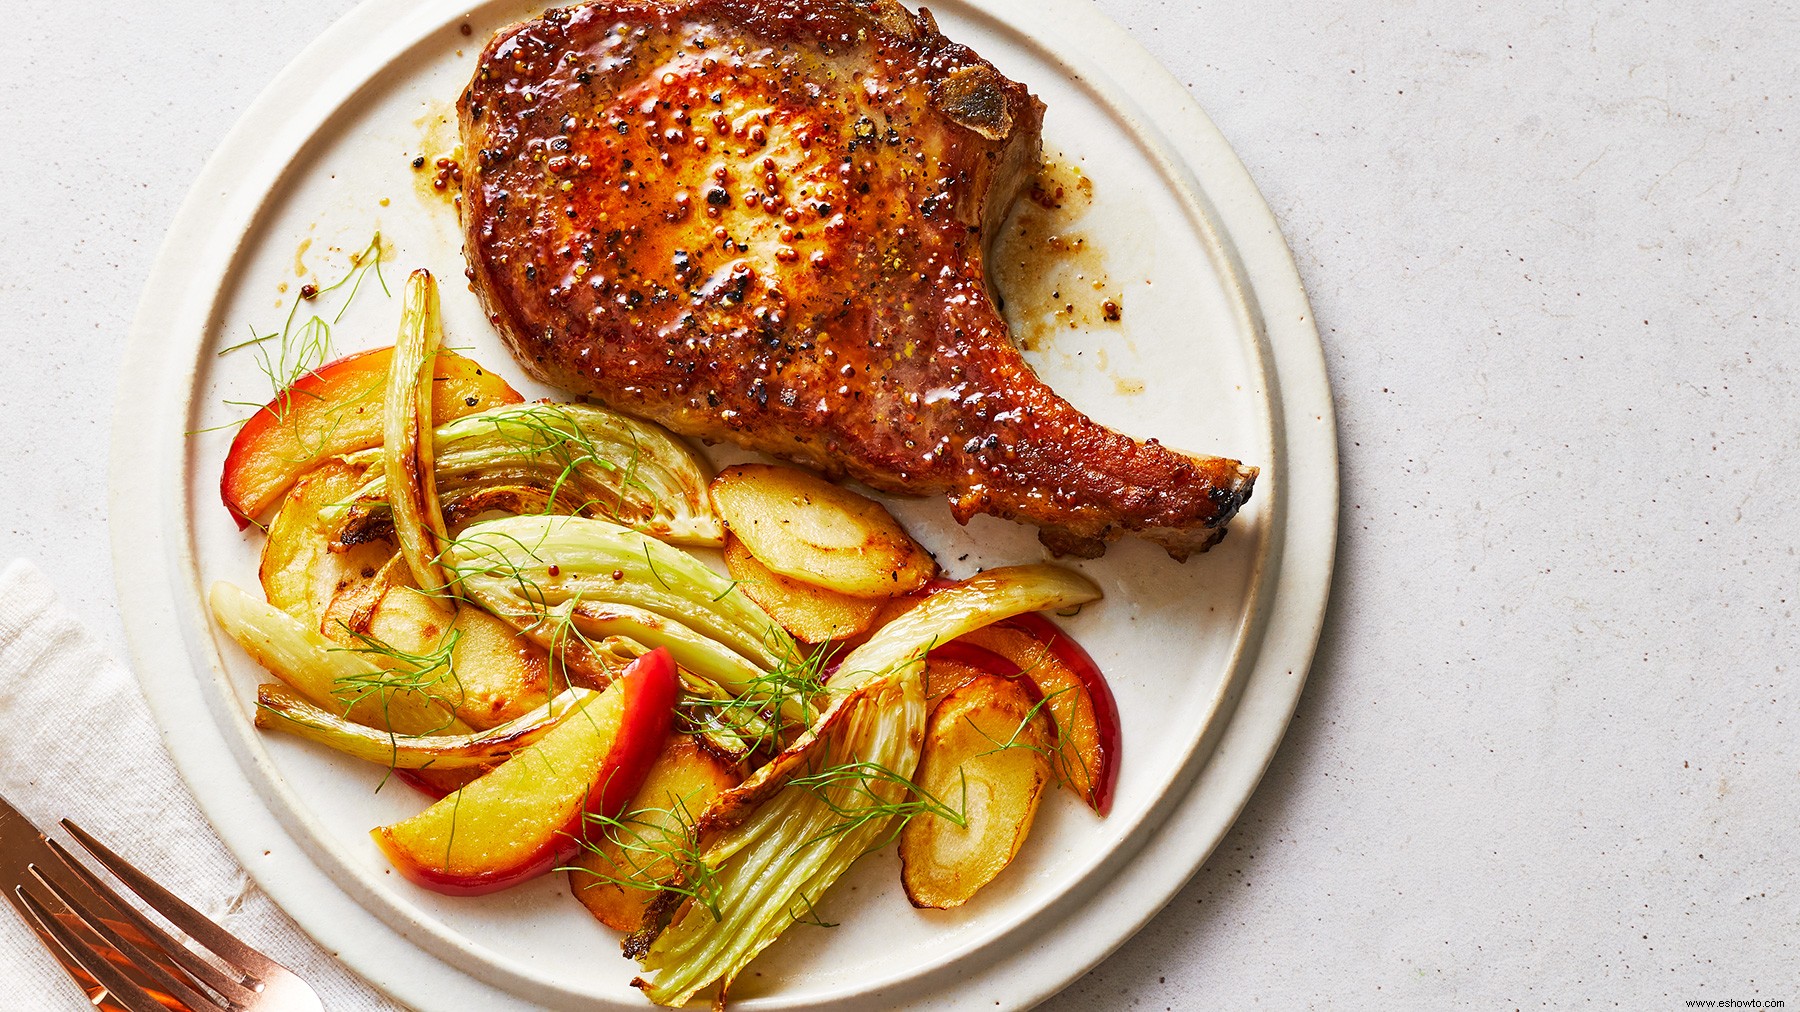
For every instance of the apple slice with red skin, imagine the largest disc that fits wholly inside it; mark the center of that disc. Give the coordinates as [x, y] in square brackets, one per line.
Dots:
[1076, 695]
[614, 877]
[1106, 709]
[1087, 718]
[528, 815]
[333, 410]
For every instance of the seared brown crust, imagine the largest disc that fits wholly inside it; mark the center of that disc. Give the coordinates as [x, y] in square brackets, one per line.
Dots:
[763, 221]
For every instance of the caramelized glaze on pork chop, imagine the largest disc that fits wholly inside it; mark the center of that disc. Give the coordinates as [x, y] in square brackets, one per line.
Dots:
[763, 221]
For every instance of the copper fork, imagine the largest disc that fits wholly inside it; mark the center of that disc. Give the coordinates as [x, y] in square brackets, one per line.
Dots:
[123, 959]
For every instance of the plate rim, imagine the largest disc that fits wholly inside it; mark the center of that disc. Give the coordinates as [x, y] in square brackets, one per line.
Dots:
[1292, 364]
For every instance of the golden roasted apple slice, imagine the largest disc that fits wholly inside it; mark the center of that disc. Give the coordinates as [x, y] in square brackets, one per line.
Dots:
[810, 530]
[529, 815]
[812, 613]
[616, 875]
[947, 670]
[495, 674]
[300, 573]
[353, 606]
[986, 757]
[1076, 697]
[334, 410]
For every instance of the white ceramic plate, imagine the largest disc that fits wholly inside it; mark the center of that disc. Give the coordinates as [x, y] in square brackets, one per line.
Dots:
[1206, 659]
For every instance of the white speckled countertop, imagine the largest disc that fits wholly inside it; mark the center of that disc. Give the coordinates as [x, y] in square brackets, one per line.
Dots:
[1548, 753]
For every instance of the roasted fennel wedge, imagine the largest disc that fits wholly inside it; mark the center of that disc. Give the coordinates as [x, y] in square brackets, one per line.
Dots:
[325, 674]
[561, 579]
[406, 453]
[771, 847]
[559, 458]
[282, 709]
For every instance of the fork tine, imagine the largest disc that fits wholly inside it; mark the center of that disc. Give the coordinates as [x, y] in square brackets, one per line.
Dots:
[94, 990]
[119, 988]
[190, 921]
[232, 989]
[149, 965]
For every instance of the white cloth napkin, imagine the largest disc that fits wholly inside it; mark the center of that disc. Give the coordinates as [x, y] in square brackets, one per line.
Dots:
[77, 742]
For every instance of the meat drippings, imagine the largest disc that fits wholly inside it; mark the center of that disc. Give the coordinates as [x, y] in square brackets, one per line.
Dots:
[437, 164]
[1050, 277]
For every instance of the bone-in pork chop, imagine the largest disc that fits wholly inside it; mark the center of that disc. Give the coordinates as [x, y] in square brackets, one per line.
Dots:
[763, 221]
